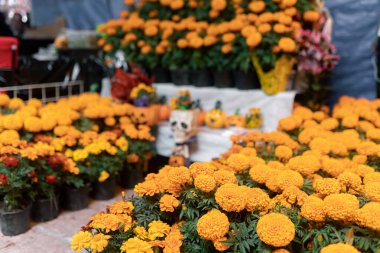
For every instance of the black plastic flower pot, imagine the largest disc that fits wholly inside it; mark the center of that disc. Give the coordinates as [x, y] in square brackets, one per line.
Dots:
[161, 75]
[180, 77]
[103, 190]
[15, 222]
[246, 80]
[45, 209]
[223, 79]
[73, 199]
[130, 176]
[201, 78]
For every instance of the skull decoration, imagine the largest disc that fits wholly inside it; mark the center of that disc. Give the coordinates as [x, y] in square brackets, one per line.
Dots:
[183, 125]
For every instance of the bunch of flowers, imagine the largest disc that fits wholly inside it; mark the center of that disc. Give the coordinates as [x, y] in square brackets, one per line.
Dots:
[216, 34]
[313, 186]
[182, 102]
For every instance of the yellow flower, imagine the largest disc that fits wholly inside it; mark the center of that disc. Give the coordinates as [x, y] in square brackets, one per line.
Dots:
[33, 124]
[213, 225]
[284, 179]
[158, 229]
[371, 178]
[15, 103]
[147, 188]
[349, 180]
[205, 183]
[135, 245]
[339, 248]
[168, 203]
[121, 207]
[218, 5]
[12, 122]
[257, 6]
[201, 168]
[141, 233]
[110, 121]
[238, 162]
[341, 207]
[122, 143]
[231, 197]
[287, 45]
[372, 191]
[99, 242]
[80, 155]
[368, 216]
[81, 241]
[104, 175]
[275, 229]
[219, 245]
[4, 100]
[313, 209]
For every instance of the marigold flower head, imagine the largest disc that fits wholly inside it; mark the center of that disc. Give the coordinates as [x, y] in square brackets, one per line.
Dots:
[231, 197]
[284, 179]
[326, 186]
[368, 216]
[283, 152]
[257, 199]
[275, 229]
[332, 166]
[168, 203]
[294, 195]
[99, 242]
[121, 207]
[280, 251]
[238, 162]
[148, 187]
[219, 245]
[224, 177]
[81, 241]
[276, 165]
[349, 180]
[158, 229]
[341, 207]
[329, 123]
[135, 245]
[339, 248]
[201, 168]
[372, 191]
[261, 173]
[306, 165]
[205, 183]
[372, 177]
[313, 209]
[248, 151]
[179, 175]
[213, 225]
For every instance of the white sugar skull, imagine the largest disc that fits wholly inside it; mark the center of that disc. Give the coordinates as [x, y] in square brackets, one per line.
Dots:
[183, 124]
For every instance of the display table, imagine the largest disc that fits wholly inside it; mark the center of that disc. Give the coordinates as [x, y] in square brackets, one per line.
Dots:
[212, 142]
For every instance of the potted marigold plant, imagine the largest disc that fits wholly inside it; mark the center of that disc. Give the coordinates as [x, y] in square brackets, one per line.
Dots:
[16, 187]
[100, 162]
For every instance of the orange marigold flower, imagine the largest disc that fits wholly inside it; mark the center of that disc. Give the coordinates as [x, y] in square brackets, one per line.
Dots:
[213, 225]
[238, 162]
[339, 248]
[368, 216]
[168, 203]
[261, 173]
[275, 229]
[231, 198]
[179, 175]
[257, 199]
[326, 186]
[313, 209]
[306, 165]
[224, 177]
[283, 152]
[372, 191]
[341, 207]
[205, 183]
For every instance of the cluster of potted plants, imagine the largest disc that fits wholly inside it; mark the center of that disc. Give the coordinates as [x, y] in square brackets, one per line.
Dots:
[312, 186]
[58, 154]
[213, 41]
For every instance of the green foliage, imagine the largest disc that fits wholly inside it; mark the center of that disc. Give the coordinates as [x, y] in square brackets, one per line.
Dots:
[192, 242]
[195, 203]
[17, 188]
[83, 124]
[147, 209]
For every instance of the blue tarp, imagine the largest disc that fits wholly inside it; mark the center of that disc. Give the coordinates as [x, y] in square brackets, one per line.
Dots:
[355, 28]
[78, 14]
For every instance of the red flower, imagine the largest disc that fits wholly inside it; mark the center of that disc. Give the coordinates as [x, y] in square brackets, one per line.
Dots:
[51, 179]
[55, 160]
[3, 179]
[11, 161]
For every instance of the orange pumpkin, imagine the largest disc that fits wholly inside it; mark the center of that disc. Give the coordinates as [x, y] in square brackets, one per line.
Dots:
[164, 112]
[145, 115]
[201, 118]
[235, 121]
[177, 161]
[216, 118]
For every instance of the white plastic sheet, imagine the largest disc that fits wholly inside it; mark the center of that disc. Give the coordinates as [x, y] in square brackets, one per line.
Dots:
[212, 142]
